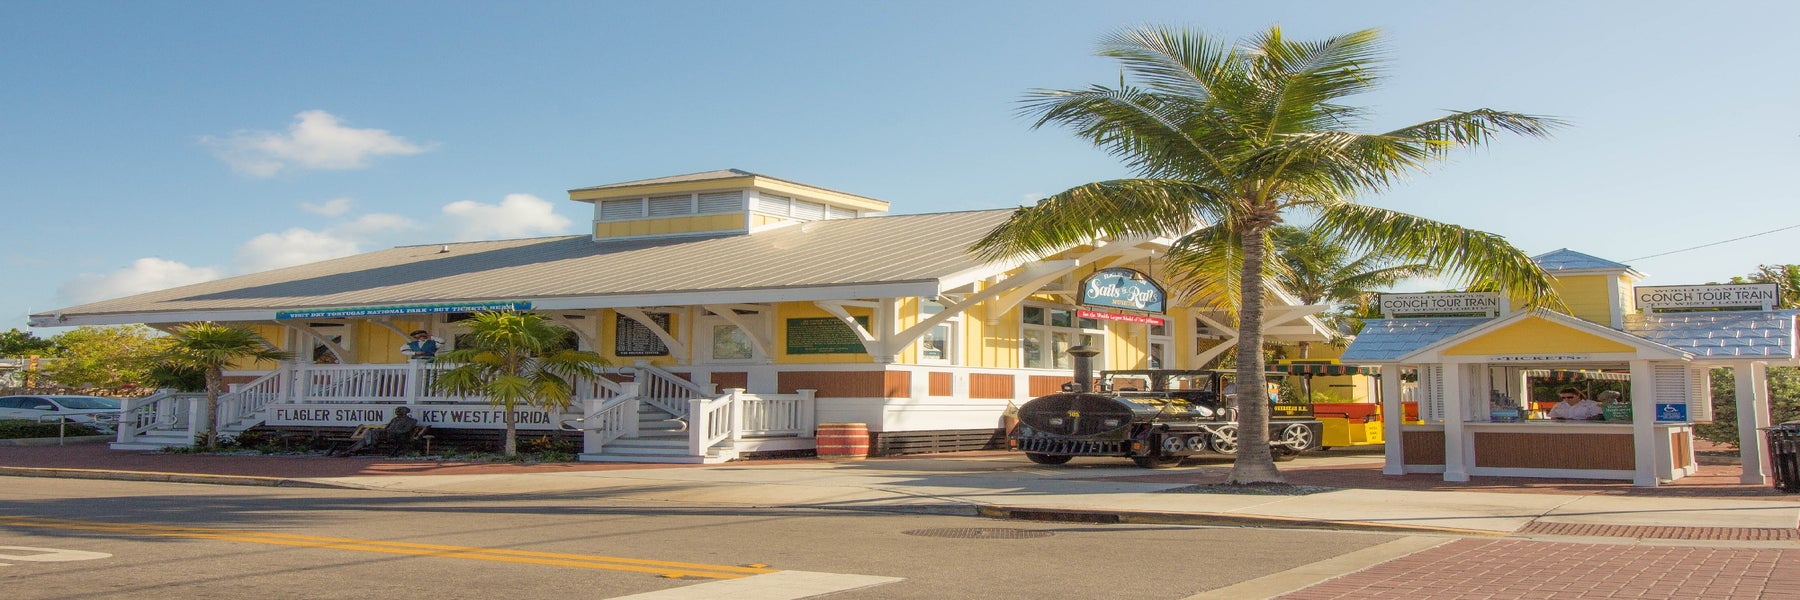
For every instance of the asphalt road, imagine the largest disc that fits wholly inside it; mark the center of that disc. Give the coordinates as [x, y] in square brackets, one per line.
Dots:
[71, 539]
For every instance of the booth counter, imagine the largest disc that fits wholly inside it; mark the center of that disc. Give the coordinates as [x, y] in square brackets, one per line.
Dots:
[1543, 448]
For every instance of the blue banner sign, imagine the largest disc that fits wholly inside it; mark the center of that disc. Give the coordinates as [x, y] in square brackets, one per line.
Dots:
[1123, 288]
[411, 309]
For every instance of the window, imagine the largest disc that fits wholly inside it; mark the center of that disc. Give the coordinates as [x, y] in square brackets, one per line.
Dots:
[671, 206]
[772, 205]
[940, 343]
[721, 202]
[1158, 349]
[621, 210]
[1047, 333]
[725, 342]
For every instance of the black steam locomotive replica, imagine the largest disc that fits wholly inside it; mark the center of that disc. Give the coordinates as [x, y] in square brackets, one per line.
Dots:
[1154, 417]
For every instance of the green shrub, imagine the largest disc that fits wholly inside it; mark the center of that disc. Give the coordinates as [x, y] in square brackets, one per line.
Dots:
[12, 429]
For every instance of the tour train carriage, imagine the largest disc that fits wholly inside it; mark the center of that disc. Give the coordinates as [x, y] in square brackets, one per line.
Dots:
[1154, 417]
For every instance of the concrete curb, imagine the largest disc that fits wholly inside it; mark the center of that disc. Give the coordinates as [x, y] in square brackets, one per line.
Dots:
[73, 439]
[1215, 519]
[249, 480]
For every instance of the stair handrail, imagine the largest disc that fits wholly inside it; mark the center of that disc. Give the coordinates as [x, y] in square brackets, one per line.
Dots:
[666, 390]
[713, 420]
[248, 400]
[138, 414]
[609, 418]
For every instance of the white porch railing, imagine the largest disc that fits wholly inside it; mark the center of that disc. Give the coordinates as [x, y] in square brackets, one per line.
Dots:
[735, 415]
[164, 412]
[248, 400]
[666, 390]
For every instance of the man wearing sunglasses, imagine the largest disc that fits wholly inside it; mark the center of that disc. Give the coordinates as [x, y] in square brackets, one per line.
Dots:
[1575, 407]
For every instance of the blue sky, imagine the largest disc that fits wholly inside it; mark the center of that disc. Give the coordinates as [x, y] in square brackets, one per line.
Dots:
[144, 145]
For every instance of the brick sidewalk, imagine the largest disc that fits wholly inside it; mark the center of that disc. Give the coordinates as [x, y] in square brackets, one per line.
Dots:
[1473, 569]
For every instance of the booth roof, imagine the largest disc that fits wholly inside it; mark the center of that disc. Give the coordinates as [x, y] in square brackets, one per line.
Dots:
[1721, 334]
[1389, 339]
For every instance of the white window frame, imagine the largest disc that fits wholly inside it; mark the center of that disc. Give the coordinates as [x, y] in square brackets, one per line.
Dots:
[952, 329]
[703, 334]
[1152, 358]
[1078, 335]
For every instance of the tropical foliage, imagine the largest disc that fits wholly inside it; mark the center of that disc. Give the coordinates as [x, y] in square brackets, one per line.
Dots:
[1316, 267]
[211, 348]
[115, 357]
[516, 359]
[1231, 139]
[1785, 277]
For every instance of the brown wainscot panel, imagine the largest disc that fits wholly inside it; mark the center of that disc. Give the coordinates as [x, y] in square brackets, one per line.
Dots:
[834, 384]
[1604, 451]
[941, 384]
[1044, 385]
[1681, 444]
[986, 385]
[1422, 447]
[736, 379]
[897, 384]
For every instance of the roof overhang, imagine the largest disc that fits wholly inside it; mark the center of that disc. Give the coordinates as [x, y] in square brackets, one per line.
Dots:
[1643, 349]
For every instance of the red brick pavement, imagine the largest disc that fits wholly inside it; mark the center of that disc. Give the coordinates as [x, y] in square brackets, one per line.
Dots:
[1473, 569]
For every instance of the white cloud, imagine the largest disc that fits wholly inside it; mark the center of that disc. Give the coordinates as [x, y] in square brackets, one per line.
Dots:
[315, 141]
[517, 215]
[374, 225]
[144, 275]
[335, 207]
[295, 246]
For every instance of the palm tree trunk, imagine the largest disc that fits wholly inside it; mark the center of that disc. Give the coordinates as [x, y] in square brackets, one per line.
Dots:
[512, 434]
[1255, 463]
[215, 383]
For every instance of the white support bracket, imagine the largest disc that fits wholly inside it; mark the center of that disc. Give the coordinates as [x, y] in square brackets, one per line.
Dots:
[757, 335]
[677, 348]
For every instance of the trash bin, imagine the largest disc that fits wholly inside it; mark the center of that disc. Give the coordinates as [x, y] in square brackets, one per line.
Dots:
[1784, 455]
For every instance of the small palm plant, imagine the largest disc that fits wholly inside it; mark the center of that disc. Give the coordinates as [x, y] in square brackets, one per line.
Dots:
[513, 359]
[210, 348]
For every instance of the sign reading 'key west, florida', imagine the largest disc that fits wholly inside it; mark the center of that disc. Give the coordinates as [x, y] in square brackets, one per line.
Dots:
[1123, 288]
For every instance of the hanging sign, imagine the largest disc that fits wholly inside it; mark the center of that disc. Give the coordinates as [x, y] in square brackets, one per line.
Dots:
[1458, 303]
[1124, 289]
[1664, 297]
[1671, 412]
[1106, 316]
[410, 309]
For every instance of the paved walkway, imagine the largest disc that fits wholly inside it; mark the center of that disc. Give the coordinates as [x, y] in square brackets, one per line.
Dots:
[1492, 537]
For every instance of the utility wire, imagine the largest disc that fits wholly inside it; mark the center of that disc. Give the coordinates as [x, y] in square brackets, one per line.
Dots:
[1631, 260]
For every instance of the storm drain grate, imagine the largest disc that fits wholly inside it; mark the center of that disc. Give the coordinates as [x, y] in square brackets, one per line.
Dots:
[980, 533]
[1660, 532]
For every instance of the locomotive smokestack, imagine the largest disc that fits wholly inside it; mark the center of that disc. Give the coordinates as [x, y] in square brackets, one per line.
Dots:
[1084, 367]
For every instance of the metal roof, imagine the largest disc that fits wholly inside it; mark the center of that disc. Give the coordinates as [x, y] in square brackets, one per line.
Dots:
[1390, 339]
[1564, 259]
[702, 176]
[1721, 334]
[786, 263]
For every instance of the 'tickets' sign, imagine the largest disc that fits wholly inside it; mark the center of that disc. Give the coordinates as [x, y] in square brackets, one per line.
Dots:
[1664, 297]
[1123, 289]
[441, 416]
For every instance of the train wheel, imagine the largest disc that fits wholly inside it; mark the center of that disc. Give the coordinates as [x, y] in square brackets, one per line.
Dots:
[1174, 445]
[1294, 440]
[1224, 440]
[1048, 459]
[1157, 461]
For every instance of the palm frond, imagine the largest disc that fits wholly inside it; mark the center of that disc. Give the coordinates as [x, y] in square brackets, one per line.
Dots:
[1454, 251]
[1118, 208]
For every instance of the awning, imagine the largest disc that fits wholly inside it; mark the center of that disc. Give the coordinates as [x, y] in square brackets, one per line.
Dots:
[1576, 375]
[1324, 369]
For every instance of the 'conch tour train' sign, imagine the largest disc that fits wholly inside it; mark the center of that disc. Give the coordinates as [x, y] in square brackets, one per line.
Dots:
[1451, 303]
[1124, 289]
[1665, 297]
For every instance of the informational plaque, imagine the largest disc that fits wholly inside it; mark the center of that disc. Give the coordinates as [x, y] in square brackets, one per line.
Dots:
[631, 338]
[823, 335]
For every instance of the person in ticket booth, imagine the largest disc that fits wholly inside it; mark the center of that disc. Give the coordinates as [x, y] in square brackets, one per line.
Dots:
[422, 347]
[1574, 406]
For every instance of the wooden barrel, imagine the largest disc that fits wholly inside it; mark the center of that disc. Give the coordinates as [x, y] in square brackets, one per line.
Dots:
[843, 441]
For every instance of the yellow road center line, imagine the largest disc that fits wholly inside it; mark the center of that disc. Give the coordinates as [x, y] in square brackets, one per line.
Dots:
[656, 567]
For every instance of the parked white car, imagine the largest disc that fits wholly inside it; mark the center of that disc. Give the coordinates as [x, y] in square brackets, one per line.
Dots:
[101, 413]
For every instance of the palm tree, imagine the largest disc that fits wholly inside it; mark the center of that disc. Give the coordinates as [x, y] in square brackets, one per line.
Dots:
[1316, 267]
[210, 348]
[515, 358]
[1228, 140]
